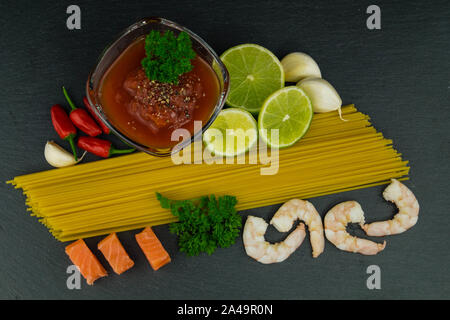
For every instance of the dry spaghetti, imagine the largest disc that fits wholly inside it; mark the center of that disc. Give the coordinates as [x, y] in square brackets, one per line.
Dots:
[118, 194]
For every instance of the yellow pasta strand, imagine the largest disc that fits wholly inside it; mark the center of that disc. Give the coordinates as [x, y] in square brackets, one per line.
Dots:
[118, 194]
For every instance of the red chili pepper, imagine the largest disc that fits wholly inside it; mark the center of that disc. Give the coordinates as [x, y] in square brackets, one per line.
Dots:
[64, 127]
[100, 147]
[105, 129]
[81, 119]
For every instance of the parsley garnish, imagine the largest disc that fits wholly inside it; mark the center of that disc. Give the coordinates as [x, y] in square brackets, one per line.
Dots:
[204, 224]
[168, 57]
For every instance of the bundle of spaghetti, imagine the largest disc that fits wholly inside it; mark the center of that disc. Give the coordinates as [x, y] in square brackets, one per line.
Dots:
[118, 194]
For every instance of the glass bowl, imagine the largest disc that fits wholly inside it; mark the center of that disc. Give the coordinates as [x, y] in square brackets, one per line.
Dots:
[115, 49]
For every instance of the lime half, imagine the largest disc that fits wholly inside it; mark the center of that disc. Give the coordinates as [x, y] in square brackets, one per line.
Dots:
[285, 117]
[232, 133]
[255, 73]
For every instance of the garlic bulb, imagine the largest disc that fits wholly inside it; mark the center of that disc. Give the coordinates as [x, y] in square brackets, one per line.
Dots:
[58, 157]
[299, 65]
[323, 96]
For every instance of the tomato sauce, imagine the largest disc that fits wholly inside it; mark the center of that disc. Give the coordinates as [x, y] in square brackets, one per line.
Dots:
[148, 111]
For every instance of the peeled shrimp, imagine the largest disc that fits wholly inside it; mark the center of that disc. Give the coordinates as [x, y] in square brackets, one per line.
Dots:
[406, 217]
[303, 210]
[261, 250]
[336, 221]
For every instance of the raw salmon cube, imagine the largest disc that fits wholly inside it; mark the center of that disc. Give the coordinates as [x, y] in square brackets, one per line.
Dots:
[116, 255]
[152, 248]
[84, 259]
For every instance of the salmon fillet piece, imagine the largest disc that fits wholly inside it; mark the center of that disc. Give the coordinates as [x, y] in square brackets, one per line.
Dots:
[84, 259]
[116, 255]
[152, 248]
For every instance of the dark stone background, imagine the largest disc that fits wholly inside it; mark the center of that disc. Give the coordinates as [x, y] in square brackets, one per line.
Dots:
[399, 75]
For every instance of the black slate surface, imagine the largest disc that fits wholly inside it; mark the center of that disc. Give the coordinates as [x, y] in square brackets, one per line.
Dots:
[399, 75]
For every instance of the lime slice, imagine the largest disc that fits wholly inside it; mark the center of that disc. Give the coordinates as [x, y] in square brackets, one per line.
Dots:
[255, 73]
[289, 110]
[233, 133]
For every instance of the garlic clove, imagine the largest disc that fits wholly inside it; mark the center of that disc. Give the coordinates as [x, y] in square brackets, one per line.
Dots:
[299, 65]
[323, 95]
[58, 157]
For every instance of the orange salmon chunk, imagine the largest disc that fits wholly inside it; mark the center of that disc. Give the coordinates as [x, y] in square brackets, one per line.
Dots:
[152, 248]
[116, 255]
[84, 259]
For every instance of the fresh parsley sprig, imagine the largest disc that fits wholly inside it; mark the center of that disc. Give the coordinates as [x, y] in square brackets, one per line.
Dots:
[204, 224]
[167, 56]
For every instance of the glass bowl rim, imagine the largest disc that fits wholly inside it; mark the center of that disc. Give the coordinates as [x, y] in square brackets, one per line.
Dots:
[218, 107]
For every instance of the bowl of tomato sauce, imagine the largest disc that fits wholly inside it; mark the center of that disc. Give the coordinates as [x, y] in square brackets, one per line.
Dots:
[146, 113]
